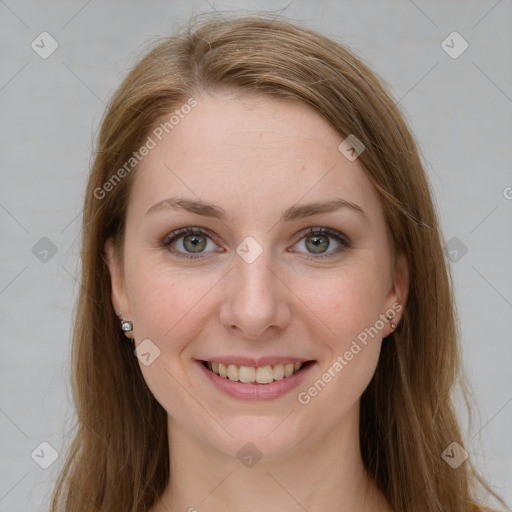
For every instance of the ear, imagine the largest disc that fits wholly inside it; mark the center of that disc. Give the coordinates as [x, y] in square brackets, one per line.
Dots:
[401, 279]
[397, 296]
[118, 293]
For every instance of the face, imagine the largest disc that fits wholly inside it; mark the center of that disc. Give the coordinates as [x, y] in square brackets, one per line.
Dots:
[266, 284]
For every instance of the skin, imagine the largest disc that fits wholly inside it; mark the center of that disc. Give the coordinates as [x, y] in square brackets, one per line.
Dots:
[255, 156]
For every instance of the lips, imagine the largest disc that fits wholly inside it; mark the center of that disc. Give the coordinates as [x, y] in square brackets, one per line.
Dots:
[267, 389]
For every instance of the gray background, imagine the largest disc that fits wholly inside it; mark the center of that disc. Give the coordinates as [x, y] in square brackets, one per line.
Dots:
[459, 108]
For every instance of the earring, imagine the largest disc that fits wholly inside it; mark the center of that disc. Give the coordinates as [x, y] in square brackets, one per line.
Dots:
[126, 325]
[390, 317]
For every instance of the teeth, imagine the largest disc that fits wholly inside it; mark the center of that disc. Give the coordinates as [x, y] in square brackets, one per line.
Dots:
[265, 374]
[223, 370]
[278, 372]
[248, 374]
[232, 372]
[288, 369]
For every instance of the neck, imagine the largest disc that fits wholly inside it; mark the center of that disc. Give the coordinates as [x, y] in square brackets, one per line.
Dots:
[324, 474]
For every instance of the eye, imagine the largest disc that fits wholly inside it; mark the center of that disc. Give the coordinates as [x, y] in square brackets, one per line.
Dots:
[191, 239]
[195, 240]
[317, 241]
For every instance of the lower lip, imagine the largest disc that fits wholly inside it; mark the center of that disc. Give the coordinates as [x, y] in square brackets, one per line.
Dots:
[255, 391]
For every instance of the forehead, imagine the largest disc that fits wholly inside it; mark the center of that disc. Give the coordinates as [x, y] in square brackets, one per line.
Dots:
[249, 153]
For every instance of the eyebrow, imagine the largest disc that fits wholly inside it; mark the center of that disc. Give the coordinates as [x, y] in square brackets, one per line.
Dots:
[292, 213]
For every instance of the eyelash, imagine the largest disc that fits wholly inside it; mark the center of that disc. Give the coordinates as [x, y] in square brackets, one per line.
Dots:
[179, 233]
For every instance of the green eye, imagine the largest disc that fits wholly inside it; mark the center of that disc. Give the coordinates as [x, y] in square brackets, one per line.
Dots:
[317, 241]
[194, 241]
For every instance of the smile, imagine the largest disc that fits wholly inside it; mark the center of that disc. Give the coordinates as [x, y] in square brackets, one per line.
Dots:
[250, 374]
[263, 382]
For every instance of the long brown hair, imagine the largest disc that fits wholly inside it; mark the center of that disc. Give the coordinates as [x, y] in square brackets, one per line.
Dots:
[119, 459]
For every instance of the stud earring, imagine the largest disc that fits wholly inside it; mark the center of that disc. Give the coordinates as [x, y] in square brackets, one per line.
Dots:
[126, 325]
[389, 318]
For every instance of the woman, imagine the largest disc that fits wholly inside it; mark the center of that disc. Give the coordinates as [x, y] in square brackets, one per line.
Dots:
[266, 318]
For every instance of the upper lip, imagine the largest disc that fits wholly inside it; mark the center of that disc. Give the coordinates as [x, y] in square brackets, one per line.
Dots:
[255, 362]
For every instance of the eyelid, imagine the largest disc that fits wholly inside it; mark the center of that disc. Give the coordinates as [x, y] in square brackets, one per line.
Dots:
[327, 231]
[178, 233]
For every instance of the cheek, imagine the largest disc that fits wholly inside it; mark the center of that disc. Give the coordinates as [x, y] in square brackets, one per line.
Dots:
[349, 304]
[170, 308]
[166, 302]
[345, 301]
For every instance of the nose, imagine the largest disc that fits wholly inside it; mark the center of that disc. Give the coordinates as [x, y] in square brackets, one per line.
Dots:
[255, 298]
